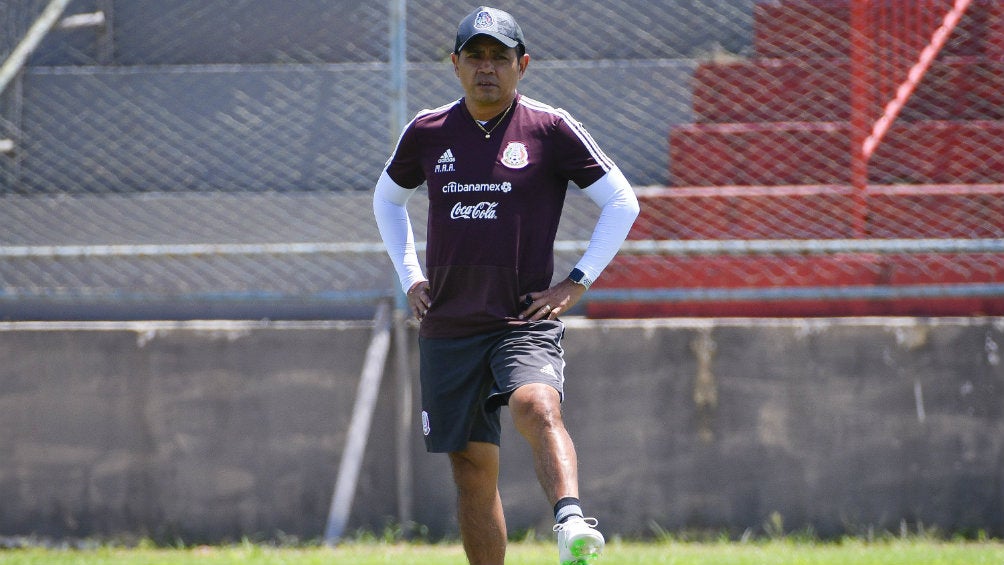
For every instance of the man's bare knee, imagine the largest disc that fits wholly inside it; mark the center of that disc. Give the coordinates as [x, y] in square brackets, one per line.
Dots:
[475, 466]
[536, 408]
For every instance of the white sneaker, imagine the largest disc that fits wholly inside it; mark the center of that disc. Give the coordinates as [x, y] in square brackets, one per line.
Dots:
[579, 542]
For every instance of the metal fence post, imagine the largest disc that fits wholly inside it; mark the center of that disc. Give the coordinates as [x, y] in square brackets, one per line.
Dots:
[398, 119]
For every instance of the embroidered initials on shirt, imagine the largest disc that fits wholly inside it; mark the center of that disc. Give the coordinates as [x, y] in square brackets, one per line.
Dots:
[446, 162]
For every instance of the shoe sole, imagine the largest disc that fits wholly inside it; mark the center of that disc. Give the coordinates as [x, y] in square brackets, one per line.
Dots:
[585, 551]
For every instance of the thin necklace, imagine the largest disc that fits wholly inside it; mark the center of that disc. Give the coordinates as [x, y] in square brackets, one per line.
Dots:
[488, 132]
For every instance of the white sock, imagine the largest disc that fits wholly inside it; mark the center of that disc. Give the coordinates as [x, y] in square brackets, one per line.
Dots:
[566, 512]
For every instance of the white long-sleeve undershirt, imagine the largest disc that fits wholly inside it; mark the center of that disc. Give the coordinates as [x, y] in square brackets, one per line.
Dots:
[390, 207]
[619, 208]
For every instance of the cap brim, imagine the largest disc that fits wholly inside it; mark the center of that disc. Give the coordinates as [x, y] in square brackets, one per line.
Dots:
[507, 41]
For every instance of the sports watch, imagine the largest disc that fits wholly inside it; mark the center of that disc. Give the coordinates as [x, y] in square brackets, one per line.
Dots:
[578, 277]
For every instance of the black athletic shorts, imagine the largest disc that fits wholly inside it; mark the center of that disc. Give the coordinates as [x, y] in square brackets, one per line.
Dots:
[466, 380]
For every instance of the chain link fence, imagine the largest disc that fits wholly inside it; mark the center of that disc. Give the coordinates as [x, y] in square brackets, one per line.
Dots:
[214, 159]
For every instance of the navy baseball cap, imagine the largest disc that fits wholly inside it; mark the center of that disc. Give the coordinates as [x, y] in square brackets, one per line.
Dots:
[493, 23]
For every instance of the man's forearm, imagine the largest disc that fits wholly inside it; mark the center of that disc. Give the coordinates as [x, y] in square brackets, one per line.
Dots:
[390, 209]
[613, 194]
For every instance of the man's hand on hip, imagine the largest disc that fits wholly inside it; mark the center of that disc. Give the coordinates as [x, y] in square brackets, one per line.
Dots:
[551, 303]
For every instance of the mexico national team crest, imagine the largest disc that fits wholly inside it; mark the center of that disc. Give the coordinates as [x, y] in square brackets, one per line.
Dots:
[515, 155]
[483, 20]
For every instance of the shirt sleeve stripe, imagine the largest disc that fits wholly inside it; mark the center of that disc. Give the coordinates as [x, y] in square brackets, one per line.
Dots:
[421, 114]
[587, 140]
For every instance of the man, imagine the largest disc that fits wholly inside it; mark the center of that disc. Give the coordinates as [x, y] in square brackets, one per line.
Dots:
[497, 165]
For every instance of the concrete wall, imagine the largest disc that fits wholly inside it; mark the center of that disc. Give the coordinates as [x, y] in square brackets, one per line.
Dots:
[213, 430]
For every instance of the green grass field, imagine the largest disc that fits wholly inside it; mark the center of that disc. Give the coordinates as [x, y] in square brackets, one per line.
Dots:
[779, 552]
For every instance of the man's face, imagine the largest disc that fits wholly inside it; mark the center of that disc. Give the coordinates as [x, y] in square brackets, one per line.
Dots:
[489, 71]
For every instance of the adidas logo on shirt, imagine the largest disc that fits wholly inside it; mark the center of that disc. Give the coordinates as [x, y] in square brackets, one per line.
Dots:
[446, 162]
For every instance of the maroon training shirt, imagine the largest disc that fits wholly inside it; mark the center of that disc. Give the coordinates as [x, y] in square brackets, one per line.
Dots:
[494, 206]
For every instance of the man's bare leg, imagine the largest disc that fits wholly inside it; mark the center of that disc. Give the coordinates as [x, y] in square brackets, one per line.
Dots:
[536, 413]
[479, 506]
